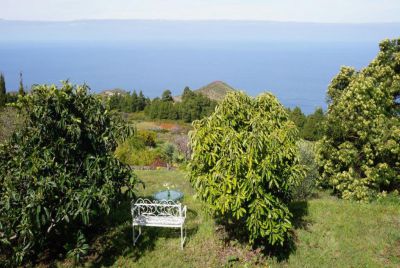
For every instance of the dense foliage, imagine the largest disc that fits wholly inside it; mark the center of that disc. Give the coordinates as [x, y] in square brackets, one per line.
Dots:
[58, 173]
[193, 106]
[245, 163]
[360, 152]
[126, 102]
[9, 121]
[144, 149]
[310, 126]
[308, 159]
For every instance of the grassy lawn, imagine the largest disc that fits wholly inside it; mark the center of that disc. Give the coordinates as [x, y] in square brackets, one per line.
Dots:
[329, 233]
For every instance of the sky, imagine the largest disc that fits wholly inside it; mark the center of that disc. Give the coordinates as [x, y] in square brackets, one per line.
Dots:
[322, 11]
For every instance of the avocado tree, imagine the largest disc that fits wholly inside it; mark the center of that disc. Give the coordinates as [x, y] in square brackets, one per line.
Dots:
[245, 163]
[58, 173]
[359, 154]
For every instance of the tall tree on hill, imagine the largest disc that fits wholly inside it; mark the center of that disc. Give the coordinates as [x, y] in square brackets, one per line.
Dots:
[21, 85]
[313, 126]
[167, 96]
[134, 102]
[187, 94]
[142, 101]
[298, 117]
[3, 96]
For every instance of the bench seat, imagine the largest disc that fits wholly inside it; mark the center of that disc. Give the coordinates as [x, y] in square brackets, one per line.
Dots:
[158, 214]
[159, 221]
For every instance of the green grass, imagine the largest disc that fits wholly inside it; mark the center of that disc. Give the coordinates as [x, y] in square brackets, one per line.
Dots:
[160, 247]
[329, 233]
[339, 233]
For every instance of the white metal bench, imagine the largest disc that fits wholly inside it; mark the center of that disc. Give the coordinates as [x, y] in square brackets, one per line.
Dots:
[158, 214]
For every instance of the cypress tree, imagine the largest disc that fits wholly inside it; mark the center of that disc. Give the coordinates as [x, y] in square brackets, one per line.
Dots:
[21, 85]
[142, 102]
[3, 96]
[134, 102]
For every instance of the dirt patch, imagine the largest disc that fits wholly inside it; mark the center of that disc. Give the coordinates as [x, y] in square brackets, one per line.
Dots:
[233, 252]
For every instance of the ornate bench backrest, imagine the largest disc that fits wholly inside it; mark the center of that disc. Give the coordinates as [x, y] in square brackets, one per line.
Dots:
[146, 207]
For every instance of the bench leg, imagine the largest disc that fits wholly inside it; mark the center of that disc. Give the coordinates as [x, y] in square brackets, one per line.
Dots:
[135, 238]
[182, 238]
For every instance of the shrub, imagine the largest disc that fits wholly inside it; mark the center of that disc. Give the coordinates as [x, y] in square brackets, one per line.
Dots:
[168, 151]
[148, 137]
[245, 163]
[9, 122]
[360, 153]
[144, 157]
[58, 172]
[308, 160]
[135, 150]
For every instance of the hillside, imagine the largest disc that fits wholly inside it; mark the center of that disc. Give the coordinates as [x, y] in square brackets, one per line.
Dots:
[111, 92]
[215, 91]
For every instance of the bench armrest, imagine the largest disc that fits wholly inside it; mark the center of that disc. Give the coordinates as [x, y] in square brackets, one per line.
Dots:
[184, 210]
[135, 211]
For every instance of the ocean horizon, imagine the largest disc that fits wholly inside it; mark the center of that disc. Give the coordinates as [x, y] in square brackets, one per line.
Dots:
[298, 73]
[294, 61]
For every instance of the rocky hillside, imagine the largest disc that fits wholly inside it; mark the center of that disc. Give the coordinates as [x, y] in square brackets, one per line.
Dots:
[215, 91]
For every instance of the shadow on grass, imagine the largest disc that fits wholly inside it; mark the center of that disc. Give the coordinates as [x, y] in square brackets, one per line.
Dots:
[299, 210]
[236, 231]
[117, 240]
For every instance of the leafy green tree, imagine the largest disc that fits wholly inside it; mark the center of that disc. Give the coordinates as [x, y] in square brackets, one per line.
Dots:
[128, 102]
[360, 152]
[313, 127]
[134, 101]
[167, 96]
[142, 101]
[340, 82]
[58, 173]
[3, 96]
[187, 94]
[298, 117]
[194, 106]
[244, 164]
[21, 90]
[308, 160]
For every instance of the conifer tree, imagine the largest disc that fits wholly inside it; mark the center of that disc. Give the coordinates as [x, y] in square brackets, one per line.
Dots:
[167, 96]
[3, 96]
[21, 85]
[142, 101]
[134, 102]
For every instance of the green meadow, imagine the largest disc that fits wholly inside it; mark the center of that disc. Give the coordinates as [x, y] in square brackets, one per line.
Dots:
[329, 232]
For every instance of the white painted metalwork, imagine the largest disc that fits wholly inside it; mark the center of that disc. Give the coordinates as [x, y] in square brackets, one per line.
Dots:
[164, 213]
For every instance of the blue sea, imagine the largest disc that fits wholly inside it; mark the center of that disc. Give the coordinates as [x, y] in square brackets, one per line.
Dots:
[298, 73]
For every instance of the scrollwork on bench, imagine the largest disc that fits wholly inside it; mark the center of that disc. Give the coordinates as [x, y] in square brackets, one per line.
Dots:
[164, 213]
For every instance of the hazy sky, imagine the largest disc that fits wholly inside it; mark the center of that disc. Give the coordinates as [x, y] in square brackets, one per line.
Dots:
[279, 10]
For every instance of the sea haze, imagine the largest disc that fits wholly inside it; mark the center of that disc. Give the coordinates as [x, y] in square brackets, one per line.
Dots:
[295, 69]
